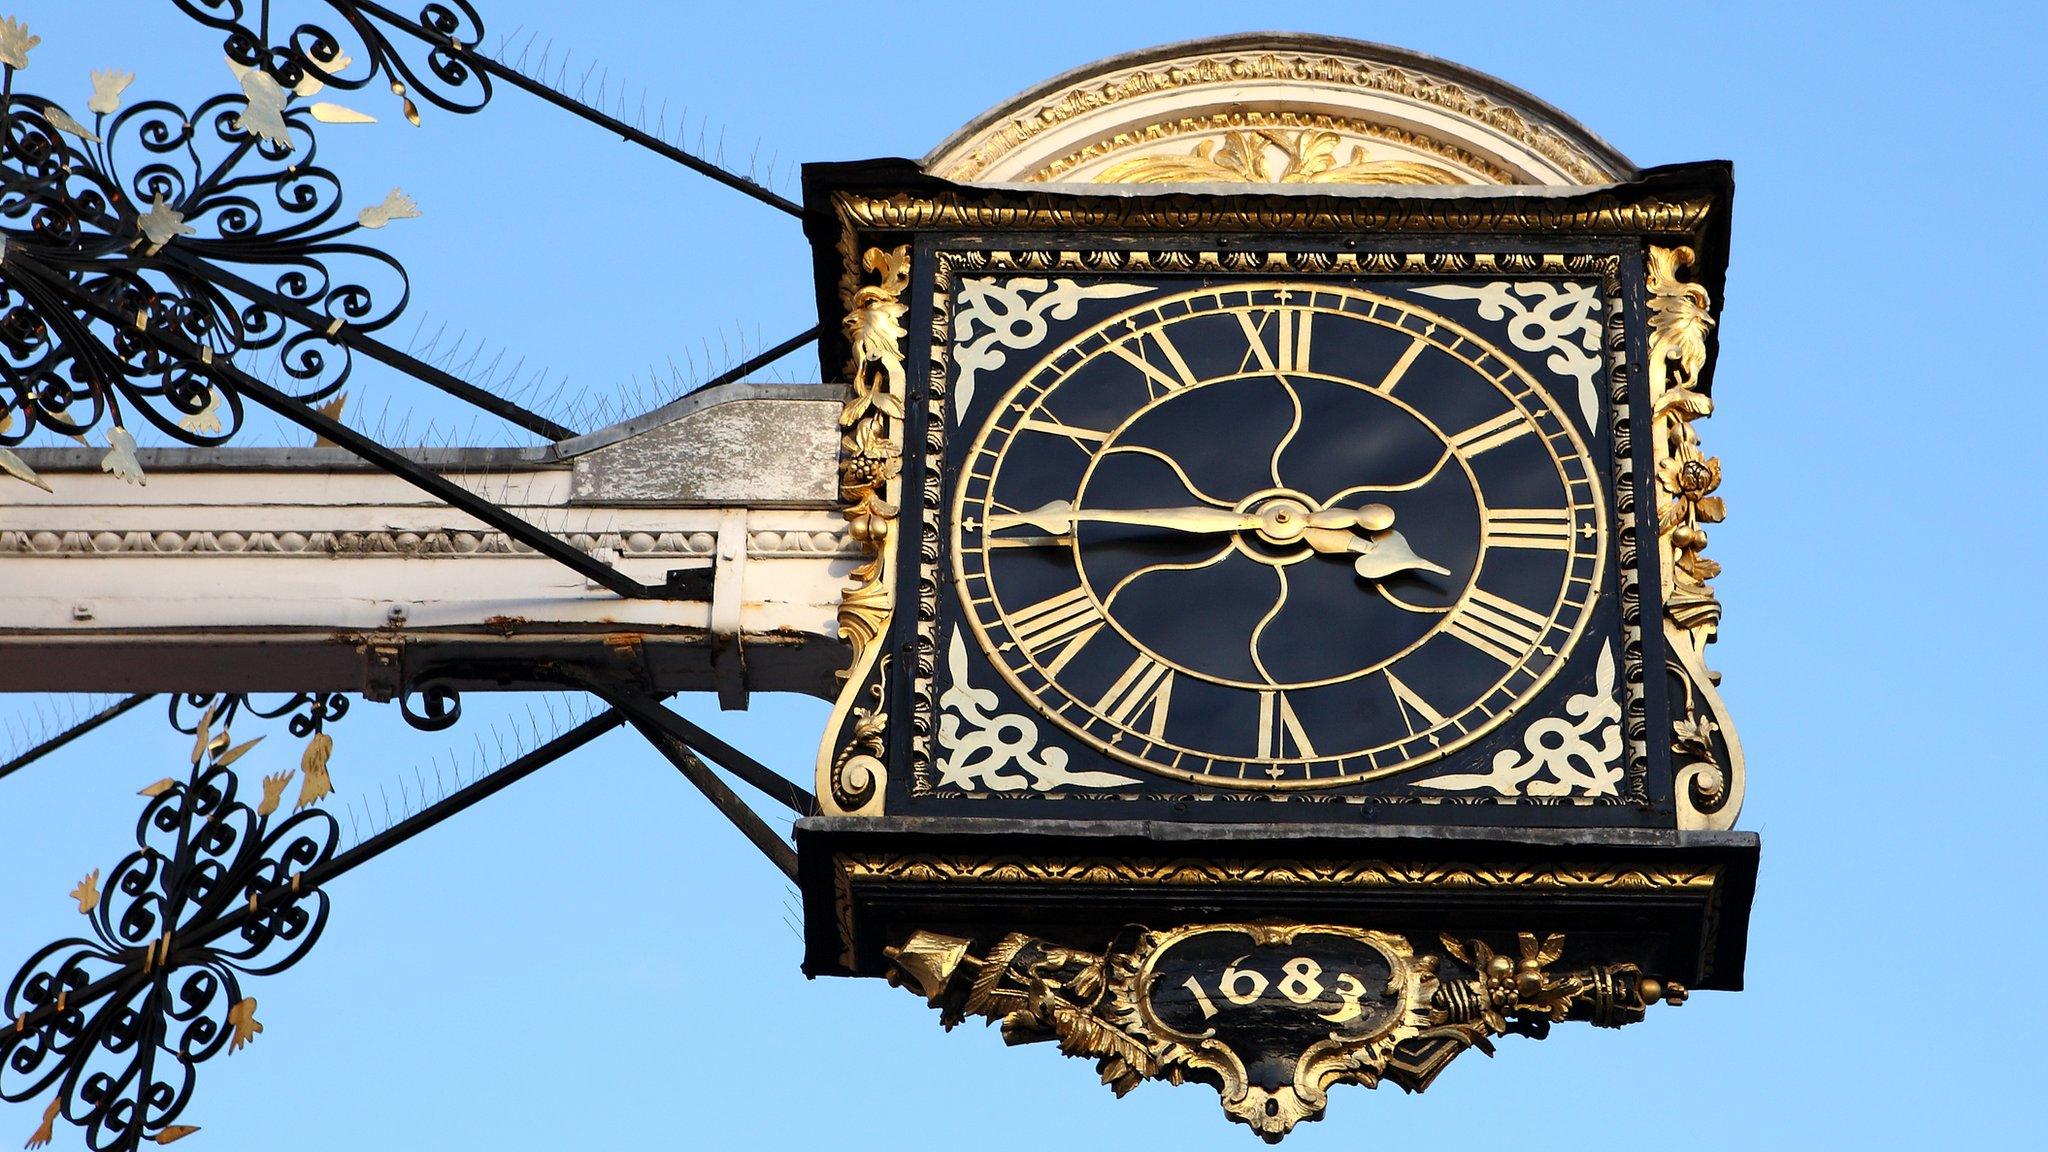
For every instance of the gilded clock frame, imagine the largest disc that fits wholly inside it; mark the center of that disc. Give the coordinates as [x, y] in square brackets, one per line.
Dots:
[943, 263]
[1466, 346]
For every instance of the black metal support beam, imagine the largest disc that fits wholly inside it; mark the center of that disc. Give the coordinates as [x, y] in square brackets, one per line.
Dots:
[328, 870]
[722, 797]
[525, 83]
[373, 348]
[749, 367]
[512, 772]
[72, 733]
[440, 487]
[648, 710]
[679, 740]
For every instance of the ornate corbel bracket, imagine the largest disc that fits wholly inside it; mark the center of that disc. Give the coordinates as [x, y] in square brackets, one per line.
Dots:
[850, 763]
[1270, 1014]
[1709, 782]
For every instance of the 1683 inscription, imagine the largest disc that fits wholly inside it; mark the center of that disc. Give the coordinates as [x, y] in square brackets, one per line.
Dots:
[1221, 983]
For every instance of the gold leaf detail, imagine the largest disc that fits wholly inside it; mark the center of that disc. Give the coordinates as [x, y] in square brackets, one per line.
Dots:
[329, 113]
[1103, 1005]
[313, 763]
[88, 892]
[107, 87]
[47, 1129]
[120, 458]
[16, 467]
[236, 753]
[1710, 769]
[396, 205]
[15, 42]
[1247, 157]
[273, 791]
[242, 1019]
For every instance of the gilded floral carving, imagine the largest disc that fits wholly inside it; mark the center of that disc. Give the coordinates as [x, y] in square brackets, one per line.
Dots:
[1706, 752]
[1272, 156]
[1149, 1007]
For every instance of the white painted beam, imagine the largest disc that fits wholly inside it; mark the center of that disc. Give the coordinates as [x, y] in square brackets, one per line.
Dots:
[302, 569]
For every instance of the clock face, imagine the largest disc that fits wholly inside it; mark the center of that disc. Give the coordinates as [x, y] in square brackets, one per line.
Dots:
[1276, 535]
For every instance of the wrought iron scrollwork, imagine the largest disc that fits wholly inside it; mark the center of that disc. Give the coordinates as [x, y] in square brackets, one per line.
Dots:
[149, 211]
[437, 39]
[115, 1024]
[112, 1027]
[440, 706]
[310, 712]
[436, 56]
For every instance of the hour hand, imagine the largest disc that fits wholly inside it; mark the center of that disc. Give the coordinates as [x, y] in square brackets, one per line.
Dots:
[1385, 553]
[1061, 516]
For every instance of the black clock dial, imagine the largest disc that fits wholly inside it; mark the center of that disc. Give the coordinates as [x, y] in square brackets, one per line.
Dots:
[1277, 536]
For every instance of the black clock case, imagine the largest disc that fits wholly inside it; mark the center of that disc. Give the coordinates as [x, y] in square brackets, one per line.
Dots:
[1699, 932]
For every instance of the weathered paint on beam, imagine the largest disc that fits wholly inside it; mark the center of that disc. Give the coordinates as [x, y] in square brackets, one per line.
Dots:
[301, 569]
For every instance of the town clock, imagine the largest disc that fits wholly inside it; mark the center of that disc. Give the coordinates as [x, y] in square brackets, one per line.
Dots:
[1278, 657]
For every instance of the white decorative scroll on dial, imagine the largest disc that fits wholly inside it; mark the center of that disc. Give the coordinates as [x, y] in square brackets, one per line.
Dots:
[1559, 756]
[1562, 320]
[997, 314]
[987, 750]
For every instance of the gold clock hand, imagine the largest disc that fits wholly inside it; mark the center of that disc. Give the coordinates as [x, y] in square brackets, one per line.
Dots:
[1331, 531]
[1061, 516]
[1385, 553]
[1371, 517]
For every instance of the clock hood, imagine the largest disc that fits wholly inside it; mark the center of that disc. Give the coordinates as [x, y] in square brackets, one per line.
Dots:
[1276, 108]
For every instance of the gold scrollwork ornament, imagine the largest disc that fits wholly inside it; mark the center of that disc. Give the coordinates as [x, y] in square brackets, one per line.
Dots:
[870, 470]
[1710, 766]
[1434, 1004]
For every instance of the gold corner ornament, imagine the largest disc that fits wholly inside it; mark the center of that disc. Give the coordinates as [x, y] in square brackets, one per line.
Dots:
[1270, 1014]
[1308, 156]
[870, 469]
[1709, 755]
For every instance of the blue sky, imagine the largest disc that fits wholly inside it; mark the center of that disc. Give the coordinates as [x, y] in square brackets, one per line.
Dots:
[593, 958]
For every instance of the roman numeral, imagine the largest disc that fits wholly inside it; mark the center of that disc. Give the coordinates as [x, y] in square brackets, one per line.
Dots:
[1175, 376]
[1497, 626]
[1401, 366]
[1143, 692]
[1491, 433]
[1057, 627]
[1291, 330]
[1549, 528]
[1412, 706]
[1055, 426]
[1280, 729]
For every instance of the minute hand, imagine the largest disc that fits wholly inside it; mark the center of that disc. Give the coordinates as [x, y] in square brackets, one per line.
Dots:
[1060, 516]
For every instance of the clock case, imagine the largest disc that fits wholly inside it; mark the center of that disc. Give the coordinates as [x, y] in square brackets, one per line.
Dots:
[876, 768]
